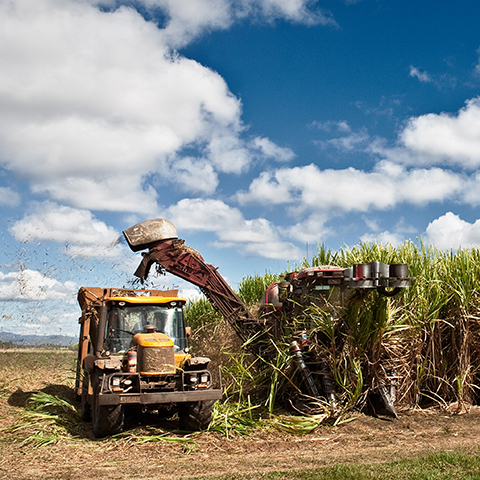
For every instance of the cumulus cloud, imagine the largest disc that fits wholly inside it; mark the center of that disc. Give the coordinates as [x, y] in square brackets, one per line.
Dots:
[310, 188]
[471, 190]
[450, 231]
[116, 193]
[186, 19]
[443, 138]
[194, 175]
[81, 234]
[8, 197]
[400, 232]
[29, 285]
[96, 103]
[268, 149]
[93, 102]
[310, 230]
[313, 197]
[257, 237]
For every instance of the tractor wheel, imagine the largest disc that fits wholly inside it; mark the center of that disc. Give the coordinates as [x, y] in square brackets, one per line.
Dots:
[196, 416]
[106, 419]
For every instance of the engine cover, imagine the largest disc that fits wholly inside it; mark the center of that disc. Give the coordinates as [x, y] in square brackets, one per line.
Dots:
[155, 354]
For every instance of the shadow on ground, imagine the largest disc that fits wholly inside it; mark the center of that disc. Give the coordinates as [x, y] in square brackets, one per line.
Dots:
[69, 416]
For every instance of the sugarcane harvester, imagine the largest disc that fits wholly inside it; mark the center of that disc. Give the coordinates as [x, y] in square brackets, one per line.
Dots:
[330, 290]
[282, 302]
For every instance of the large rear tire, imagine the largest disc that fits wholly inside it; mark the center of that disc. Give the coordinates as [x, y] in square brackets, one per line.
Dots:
[196, 416]
[106, 419]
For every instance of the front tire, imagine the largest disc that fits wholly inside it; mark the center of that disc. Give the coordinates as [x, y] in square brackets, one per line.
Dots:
[106, 419]
[196, 416]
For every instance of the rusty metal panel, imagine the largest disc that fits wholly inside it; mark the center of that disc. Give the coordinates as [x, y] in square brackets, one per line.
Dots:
[186, 263]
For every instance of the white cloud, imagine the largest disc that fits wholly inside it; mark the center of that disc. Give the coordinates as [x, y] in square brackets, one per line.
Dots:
[112, 193]
[443, 138]
[310, 230]
[352, 141]
[188, 18]
[371, 222]
[194, 175]
[96, 106]
[257, 237]
[271, 150]
[93, 103]
[334, 191]
[203, 215]
[81, 234]
[471, 190]
[9, 197]
[423, 77]
[190, 292]
[450, 231]
[29, 285]
[384, 238]
[401, 231]
[341, 126]
[228, 153]
[298, 11]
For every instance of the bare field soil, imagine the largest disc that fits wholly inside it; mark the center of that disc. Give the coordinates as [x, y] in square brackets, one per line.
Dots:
[75, 454]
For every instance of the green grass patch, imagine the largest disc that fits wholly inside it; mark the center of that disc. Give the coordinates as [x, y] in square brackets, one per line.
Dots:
[440, 466]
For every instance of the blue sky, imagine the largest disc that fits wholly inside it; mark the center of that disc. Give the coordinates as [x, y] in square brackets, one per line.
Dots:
[260, 128]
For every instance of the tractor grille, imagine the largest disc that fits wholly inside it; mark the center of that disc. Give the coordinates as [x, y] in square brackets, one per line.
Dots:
[156, 360]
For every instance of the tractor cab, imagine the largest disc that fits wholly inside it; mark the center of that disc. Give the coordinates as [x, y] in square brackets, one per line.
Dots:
[129, 316]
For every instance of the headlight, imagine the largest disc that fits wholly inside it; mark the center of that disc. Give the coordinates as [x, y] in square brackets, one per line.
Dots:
[115, 385]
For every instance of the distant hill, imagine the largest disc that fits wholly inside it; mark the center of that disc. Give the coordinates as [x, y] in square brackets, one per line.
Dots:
[37, 340]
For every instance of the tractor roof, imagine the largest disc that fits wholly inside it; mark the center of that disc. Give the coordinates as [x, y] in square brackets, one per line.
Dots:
[147, 300]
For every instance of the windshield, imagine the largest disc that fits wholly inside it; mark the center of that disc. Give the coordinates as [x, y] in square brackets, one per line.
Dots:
[125, 321]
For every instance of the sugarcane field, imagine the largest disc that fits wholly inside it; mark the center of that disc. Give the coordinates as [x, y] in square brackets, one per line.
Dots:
[387, 375]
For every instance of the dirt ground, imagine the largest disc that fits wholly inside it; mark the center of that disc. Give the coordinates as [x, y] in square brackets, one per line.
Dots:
[81, 456]
[364, 440]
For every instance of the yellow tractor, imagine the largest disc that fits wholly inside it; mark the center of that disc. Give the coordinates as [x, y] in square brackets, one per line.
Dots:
[133, 351]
